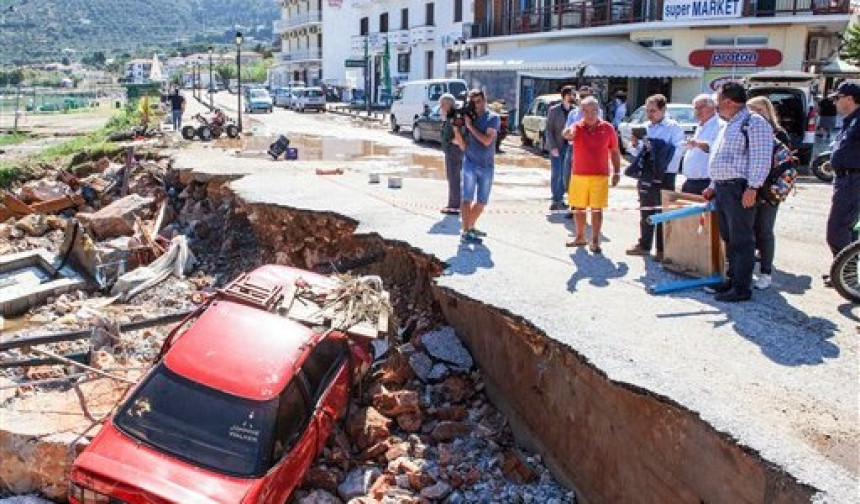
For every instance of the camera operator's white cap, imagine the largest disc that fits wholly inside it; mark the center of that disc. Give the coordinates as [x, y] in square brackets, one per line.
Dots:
[448, 96]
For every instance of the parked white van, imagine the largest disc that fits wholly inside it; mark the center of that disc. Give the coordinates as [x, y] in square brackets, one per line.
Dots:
[411, 98]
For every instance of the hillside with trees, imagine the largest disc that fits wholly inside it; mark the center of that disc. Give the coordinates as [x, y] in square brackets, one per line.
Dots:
[48, 30]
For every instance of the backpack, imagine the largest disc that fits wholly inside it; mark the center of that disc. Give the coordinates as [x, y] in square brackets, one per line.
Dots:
[782, 177]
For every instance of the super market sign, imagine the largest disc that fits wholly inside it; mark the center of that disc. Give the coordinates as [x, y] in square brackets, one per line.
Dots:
[677, 10]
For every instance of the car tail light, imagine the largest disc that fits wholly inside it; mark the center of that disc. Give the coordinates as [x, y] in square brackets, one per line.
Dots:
[84, 495]
[810, 119]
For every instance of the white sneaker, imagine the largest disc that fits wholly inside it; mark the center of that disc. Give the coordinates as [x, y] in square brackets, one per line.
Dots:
[763, 282]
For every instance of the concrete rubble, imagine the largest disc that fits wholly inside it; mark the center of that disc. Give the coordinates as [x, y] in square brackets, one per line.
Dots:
[420, 431]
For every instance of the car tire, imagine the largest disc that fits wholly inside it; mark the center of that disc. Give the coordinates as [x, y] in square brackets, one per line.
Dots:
[395, 128]
[232, 130]
[416, 133]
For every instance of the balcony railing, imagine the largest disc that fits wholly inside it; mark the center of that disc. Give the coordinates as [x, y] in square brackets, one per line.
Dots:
[300, 55]
[304, 18]
[594, 13]
[399, 38]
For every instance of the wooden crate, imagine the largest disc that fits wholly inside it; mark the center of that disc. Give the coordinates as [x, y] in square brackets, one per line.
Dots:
[687, 250]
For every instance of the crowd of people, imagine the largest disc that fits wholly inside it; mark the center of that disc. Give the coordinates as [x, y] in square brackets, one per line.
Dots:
[729, 159]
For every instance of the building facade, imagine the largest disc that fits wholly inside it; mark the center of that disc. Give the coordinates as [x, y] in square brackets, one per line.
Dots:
[300, 30]
[521, 48]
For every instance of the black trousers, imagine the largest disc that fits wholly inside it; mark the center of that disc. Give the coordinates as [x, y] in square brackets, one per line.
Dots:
[737, 226]
[650, 196]
[695, 186]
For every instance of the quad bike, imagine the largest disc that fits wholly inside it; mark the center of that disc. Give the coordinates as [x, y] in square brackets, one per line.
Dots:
[211, 127]
[843, 272]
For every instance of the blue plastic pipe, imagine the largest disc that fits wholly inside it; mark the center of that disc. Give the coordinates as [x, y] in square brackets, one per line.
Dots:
[680, 213]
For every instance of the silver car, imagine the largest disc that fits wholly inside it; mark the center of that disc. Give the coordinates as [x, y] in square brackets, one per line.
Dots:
[680, 112]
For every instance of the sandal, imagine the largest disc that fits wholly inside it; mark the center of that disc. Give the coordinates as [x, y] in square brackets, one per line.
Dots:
[576, 243]
[595, 248]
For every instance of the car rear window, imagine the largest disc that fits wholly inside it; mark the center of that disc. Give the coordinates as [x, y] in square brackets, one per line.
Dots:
[458, 89]
[682, 114]
[315, 93]
[201, 425]
[259, 93]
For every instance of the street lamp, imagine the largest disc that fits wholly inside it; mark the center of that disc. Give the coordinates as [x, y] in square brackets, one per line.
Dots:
[199, 80]
[459, 45]
[194, 79]
[239, 75]
[211, 90]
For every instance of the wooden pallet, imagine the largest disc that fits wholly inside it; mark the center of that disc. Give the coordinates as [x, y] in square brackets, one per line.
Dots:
[687, 250]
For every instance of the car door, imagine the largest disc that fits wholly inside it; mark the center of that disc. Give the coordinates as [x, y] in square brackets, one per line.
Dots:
[328, 375]
[625, 129]
[434, 125]
[295, 443]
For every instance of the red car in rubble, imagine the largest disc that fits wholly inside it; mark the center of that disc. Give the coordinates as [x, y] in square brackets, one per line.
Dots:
[241, 402]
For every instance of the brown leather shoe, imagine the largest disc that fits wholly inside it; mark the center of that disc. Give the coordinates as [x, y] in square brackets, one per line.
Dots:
[636, 250]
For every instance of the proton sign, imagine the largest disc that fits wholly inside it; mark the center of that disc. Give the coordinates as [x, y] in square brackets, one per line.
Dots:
[735, 58]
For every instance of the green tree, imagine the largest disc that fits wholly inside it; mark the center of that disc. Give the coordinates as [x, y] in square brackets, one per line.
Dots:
[225, 72]
[851, 50]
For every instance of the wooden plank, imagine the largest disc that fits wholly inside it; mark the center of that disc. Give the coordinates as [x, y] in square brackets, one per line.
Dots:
[57, 205]
[15, 205]
[692, 245]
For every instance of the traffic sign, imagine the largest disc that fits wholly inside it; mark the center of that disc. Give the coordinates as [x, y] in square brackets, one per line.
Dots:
[355, 63]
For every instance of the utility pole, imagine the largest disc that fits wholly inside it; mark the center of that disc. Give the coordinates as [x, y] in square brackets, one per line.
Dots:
[239, 76]
[211, 89]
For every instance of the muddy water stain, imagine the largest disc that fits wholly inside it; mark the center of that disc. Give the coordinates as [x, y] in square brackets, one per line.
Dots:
[427, 162]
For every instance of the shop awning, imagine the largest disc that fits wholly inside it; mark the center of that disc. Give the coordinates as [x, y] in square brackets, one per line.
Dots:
[839, 67]
[601, 57]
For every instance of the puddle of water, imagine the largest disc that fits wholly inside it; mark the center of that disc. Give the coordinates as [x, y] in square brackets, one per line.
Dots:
[371, 156]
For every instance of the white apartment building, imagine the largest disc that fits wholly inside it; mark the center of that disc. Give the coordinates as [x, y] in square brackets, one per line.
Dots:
[300, 29]
[342, 43]
[416, 36]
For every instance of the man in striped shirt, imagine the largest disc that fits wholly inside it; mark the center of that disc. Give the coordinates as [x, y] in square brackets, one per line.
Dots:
[740, 161]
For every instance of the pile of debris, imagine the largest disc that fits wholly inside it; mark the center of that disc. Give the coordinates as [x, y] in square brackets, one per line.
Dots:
[424, 431]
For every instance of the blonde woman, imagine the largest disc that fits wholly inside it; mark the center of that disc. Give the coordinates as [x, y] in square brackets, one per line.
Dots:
[765, 215]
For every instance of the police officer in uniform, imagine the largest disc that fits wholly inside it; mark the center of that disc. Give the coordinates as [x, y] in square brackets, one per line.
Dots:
[845, 160]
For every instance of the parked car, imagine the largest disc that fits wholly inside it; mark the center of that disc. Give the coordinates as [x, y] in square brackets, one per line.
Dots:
[311, 98]
[533, 124]
[281, 97]
[236, 409]
[792, 96]
[294, 96]
[258, 99]
[428, 127]
[680, 112]
[412, 98]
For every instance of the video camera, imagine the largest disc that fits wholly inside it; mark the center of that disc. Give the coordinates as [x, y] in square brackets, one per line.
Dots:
[459, 114]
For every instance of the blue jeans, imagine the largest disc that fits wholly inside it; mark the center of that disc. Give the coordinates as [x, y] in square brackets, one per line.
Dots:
[844, 211]
[559, 173]
[765, 240]
[477, 181]
[176, 117]
[737, 230]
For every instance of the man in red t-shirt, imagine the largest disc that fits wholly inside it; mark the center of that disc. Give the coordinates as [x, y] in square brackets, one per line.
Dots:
[594, 144]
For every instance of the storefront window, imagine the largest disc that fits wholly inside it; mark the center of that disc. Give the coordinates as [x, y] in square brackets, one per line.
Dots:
[751, 41]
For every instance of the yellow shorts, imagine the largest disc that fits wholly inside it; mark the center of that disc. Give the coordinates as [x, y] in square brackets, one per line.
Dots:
[588, 191]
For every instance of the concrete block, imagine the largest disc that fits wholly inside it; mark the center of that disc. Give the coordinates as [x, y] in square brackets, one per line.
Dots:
[25, 280]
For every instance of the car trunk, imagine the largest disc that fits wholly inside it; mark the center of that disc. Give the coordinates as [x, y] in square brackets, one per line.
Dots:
[120, 467]
[791, 107]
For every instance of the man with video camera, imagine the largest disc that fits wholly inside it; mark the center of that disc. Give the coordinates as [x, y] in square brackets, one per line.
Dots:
[479, 148]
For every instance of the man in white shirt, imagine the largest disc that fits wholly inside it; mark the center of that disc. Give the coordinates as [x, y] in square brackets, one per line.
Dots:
[620, 111]
[667, 129]
[698, 153]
